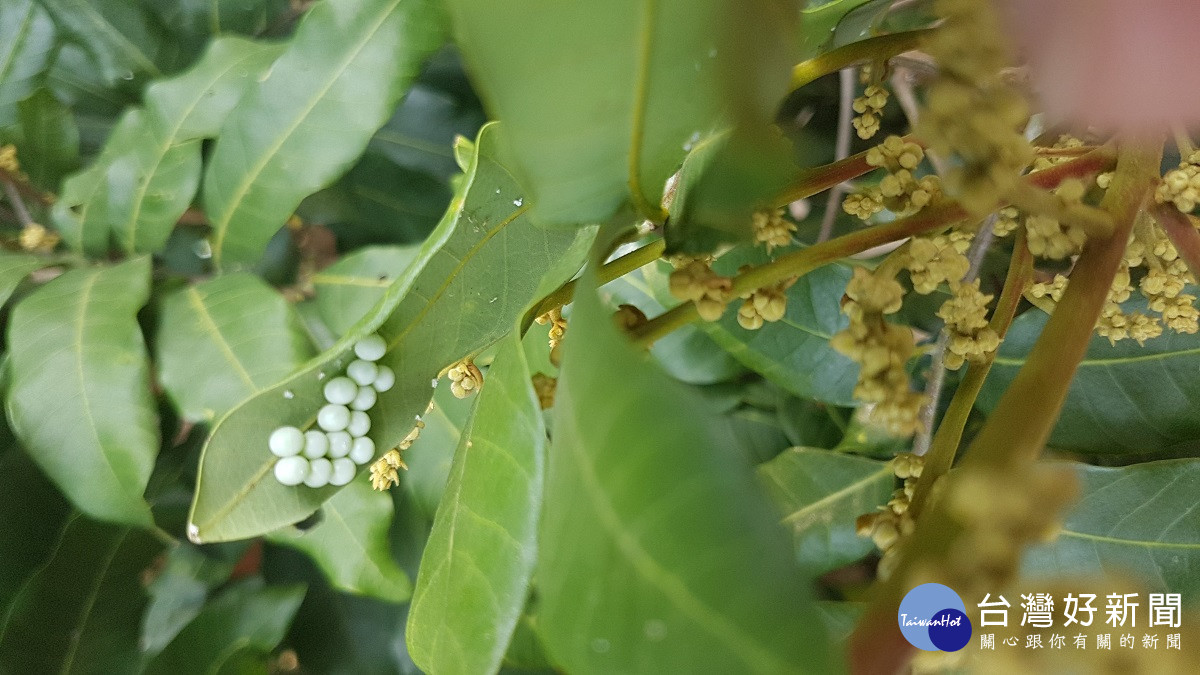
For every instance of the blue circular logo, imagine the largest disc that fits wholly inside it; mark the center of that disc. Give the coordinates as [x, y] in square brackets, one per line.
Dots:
[932, 617]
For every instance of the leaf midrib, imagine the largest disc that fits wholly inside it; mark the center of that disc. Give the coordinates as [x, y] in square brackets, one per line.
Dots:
[1116, 360]
[90, 602]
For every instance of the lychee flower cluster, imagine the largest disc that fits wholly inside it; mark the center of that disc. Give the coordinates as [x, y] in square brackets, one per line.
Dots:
[36, 238]
[970, 110]
[1008, 219]
[1045, 235]
[900, 191]
[772, 229]
[965, 314]
[869, 107]
[881, 349]
[888, 524]
[558, 326]
[329, 455]
[696, 281]
[1000, 514]
[937, 258]
[767, 304]
[1181, 185]
[8, 159]
[465, 378]
[627, 317]
[1163, 283]
[1064, 142]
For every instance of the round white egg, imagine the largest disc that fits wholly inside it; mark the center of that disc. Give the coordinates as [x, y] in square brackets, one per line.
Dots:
[286, 442]
[370, 348]
[360, 424]
[319, 472]
[333, 417]
[340, 390]
[385, 380]
[343, 471]
[362, 372]
[291, 470]
[363, 450]
[339, 444]
[365, 400]
[316, 444]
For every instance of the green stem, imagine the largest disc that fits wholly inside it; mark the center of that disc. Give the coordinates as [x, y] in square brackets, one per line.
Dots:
[871, 49]
[949, 433]
[1018, 428]
[613, 269]
[799, 263]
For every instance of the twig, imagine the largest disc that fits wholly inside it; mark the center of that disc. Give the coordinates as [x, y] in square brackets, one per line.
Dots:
[17, 203]
[841, 150]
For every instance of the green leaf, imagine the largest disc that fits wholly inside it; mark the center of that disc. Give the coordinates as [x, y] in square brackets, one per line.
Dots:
[79, 398]
[149, 170]
[26, 47]
[80, 613]
[1125, 399]
[793, 353]
[301, 127]
[32, 514]
[687, 353]
[1139, 520]
[822, 493]
[350, 544]
[348, 289]
[179, 592]
[223, 340]
[475, 571]
[818, 20]
[430, 457]
[644, 78]
[659, 551]
[724, 180]
[49, 144]
[14, 267]
[116, 33]
[470, 281]
[247, 616]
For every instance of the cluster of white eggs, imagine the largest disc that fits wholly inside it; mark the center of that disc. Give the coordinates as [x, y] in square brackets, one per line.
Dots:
[331, 455]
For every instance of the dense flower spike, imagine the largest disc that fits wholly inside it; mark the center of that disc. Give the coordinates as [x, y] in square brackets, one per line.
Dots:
[970, 110]
[558, 326]
[1181, 186]
[36, 238]
[1008, 219]
[965, 314]
[936, 259]
[772, 229]
[8, 159]
[869, 107]
[384, 472]
[696, 281]
[465, 378]
[1165, 278]
[900, 191]
[627, 317]
[881, 349]
[765, 304]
